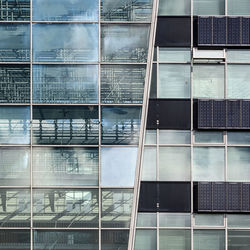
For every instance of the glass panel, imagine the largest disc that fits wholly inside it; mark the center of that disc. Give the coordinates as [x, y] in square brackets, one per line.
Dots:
[14, 42]
[238, 81]
[65, 166]
[238, 240]
[174, 163]
[121, 125]
[238, 137]
[239, 7]
[238, 161]
[122, 83]
[209, 220]
[14, 208]
[65, 125]
[238, 55]
[174, 7]
[145, 240]
[14, 84]
[146, 220]
[211, 7]
[174, 137]
[14, 125]
[175, 239]
[65, 208]
[150, 137]
[66, 240]
[208, 81]
[174, 220]
[208, 164]
[64, 10]
[14, 166]
[125, 42]
[208, 54]
[15, 239]
[149, 164]
[116, 207]
[115, 239]
[174, 55]
[209, 240]
[118, 166]
[65, 42]
[238, 220]
[208, 137]
[174, 81]
[153, 83]
[126, 10]
[65, 83]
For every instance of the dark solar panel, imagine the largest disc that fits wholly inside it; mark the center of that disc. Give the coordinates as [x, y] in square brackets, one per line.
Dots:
[233, 114]
[204, 196]
[219, 113]
[245, 30]
[233, 30]
[234, 196]
[245, 197]
[245, 114]
[205, 30]
[219, 196]
[219, 30]
[205, 114]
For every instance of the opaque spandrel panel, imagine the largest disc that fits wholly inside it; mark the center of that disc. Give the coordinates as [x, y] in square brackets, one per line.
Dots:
[65, 166]
[69, 125]
[65, 83]
[115, 239]
[124, 43]
[126, 10]
[14, 84]
[122, 83]
[14, 42]
[148, 197]
[64, 10]
[65, 208]
[65, 42]
[66, 240]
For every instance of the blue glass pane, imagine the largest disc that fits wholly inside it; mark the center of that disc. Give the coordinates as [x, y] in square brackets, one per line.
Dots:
[13, 239]
[14, 42]
[65, 42]
[65, 83]
[65, 10]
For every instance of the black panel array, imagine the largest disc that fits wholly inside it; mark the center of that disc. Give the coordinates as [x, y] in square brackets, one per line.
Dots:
[165, 197]
[223, 114]
[224, 197]
[219, 31]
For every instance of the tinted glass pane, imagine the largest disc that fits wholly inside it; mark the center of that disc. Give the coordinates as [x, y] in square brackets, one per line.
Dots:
[149, 164]
[116, 207]
[238, 220]
[14, 239]
[14, 84]
[124, 43]
[65, 42]
[65, 166]
[238, 137]
[65, 208]
[14, 208]
[238, 240]
[115, 239]
[174, 7]
[174, 137]
[146, 220]
[239, 7]
[65, 83]
[208, 164]
[145, 240]
[63, 10]
[66, 240]
[126, 10]
[209, 220]
[211, 7]
[14, 42]
[14, 125]
[208, 137]
[238, 55]
[14, 166]
[65, 125]
[174, 220]
[150, 137]
[120, 125]
[174, 55]
[122, 83]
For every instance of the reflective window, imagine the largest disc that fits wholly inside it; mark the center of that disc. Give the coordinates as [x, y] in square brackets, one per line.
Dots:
[238, 137]
[150, 137]
[174, 81]
[208, 164]
[208, 81]
[208, 137]
[116, 207]
[14, 84]
[14, 42]
[238, 55]
[209, 220]
[211, 7]
[174, 220]
[14, 208]
[238, 240]
[66, 240]
[149, 164]
[65, 42]
[126, 10]
[239, 7]
[153, 84]
[115, 239]
[14, 166]
[125, 43]
[174, 7]
[145, 240]
[174, 163]
[65, 166]
[14, 125]
[174, 55]
[13, 239]
[122, 83]
[174, 137]
[238, 220]
[120, 125]
[65, 208]
[65, 125]
[63, 10]
[146, 220]
[65, 83]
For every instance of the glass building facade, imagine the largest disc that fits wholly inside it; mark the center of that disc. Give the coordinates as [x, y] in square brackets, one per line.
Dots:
[124, 124]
